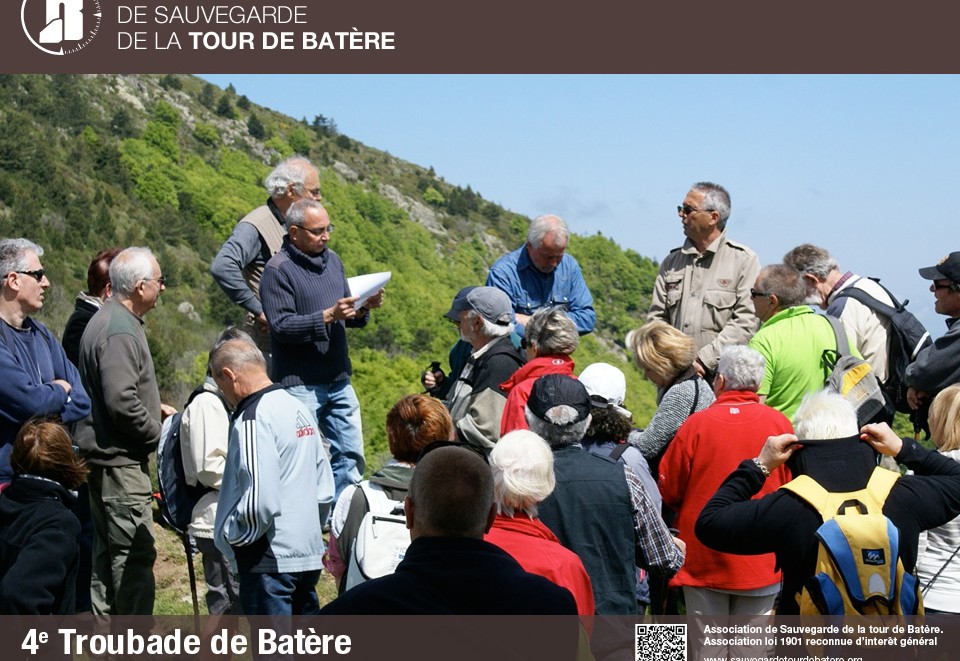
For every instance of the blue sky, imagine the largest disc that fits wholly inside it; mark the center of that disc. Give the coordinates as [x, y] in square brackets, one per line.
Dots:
[847, 162]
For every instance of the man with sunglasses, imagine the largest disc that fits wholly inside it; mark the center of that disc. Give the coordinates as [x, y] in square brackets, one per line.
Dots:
[36, 377]
[703, 287]
[792, 339]
[257, 237]
[938, 365]
[308, 305]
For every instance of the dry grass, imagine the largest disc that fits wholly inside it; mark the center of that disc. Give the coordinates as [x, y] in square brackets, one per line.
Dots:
[173, 582]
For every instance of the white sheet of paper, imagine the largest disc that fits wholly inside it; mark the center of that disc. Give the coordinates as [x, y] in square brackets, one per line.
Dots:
[367, 285]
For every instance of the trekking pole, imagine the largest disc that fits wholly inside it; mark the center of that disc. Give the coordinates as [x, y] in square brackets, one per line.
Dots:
[937, 575]
[188, 549]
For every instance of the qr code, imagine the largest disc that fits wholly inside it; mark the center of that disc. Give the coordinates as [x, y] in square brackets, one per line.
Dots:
[661, 642]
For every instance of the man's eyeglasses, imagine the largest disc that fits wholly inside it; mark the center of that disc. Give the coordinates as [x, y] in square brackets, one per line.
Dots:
[162, 280]
[38, 274]
[314, 192]
[686, 210]
[936, 285]
[320, 231]
[758, 294]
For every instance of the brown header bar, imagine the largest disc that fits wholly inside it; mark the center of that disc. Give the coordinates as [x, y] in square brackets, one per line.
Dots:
[496, 36]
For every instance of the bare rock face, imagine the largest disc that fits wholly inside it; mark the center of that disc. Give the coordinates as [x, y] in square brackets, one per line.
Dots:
[186, 308]
[345, 171]
[418, 211]
[130, 89]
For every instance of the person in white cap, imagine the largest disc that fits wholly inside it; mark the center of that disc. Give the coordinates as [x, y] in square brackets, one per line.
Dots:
[611, 423]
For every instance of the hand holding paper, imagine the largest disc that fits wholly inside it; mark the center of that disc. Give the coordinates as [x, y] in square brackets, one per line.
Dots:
[363, 287]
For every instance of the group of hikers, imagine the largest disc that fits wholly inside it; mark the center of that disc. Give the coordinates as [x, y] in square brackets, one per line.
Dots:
[516, 484]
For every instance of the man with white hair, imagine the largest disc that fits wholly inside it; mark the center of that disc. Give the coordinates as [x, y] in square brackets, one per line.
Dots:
[784, 524]
[706, 448]
[476, 401]
[599, 509]
[540, 274]
[36, 377]
[257, 237]
[117, 370]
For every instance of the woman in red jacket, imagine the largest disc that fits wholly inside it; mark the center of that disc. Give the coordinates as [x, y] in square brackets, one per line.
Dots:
[549, 339]
[522, 465]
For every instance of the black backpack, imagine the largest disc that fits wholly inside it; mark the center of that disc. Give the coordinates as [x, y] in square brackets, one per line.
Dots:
[177, 498]
[907, 338]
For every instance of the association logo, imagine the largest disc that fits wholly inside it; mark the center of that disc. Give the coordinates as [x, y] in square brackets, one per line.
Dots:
[60, 27]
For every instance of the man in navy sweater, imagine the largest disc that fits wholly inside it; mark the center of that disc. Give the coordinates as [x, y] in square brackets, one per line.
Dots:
[308, 305]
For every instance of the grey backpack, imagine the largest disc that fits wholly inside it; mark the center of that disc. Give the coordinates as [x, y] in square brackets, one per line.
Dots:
[852, 377]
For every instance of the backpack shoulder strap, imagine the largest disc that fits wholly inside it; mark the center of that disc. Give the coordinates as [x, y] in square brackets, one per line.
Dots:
[696, 395]
[880, 484]
[871, 302]
[351, 527]
[378, 501]
[843, 345]
[618, 451]
[199, 390]
[809, 490]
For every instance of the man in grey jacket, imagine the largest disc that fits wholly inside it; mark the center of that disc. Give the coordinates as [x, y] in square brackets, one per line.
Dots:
[117, 372]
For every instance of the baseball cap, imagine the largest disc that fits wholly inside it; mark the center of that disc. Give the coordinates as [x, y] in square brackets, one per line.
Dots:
[607, 387]
[556, 390]
[947, 269]
[489, 302]
[604, 383]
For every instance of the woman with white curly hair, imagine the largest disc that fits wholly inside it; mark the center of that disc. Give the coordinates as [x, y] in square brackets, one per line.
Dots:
[522, 465]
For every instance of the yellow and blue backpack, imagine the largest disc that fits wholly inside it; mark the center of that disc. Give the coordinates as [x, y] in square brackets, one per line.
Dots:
[858, 567]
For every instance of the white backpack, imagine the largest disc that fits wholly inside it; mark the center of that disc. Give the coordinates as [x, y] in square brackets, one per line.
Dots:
[382, 539]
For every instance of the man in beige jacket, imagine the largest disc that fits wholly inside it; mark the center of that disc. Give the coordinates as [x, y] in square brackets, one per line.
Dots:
[703, 287]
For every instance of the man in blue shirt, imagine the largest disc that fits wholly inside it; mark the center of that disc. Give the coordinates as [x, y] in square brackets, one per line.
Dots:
[539, 274]
[36, 378]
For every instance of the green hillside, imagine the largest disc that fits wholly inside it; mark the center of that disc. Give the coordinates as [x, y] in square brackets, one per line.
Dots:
[171, 162]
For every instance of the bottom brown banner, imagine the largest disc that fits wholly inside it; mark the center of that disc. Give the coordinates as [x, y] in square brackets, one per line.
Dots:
[486, 638]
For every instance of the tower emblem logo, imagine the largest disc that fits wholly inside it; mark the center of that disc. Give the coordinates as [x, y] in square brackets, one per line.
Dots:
[60, 27]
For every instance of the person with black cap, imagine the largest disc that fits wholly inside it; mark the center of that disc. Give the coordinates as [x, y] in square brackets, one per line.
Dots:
[599, 508]
[938, 365]
[841, 458]
[484, 317]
